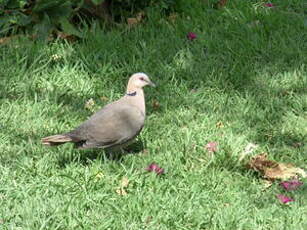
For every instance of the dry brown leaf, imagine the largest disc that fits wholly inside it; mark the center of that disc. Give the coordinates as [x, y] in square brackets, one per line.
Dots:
[155, 104]
[273, 170]
[132, 21]
[67, 37]
[220, 4]
[284, 172]
[5, 40]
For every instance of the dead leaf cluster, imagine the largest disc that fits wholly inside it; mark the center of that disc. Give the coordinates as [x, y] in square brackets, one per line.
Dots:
[137, 19]
[273, 170]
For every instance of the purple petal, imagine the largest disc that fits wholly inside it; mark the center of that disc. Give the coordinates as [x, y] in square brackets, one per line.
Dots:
[212, 146]
[191, 36]
[291, 184]
[284, 199]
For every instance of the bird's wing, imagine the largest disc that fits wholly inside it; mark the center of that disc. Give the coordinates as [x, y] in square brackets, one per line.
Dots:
[113, 125]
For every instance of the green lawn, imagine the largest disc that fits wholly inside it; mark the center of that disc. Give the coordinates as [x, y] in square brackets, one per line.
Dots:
[242, 80]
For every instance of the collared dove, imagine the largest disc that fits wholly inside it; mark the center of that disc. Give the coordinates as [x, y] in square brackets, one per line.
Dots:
[113, 126]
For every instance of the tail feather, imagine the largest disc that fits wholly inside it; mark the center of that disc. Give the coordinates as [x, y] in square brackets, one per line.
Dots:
[56, 140]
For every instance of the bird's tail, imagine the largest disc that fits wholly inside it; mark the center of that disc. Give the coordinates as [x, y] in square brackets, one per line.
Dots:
[56, 140]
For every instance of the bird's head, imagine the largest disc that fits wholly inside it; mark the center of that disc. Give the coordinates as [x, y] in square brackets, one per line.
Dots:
[139, 80]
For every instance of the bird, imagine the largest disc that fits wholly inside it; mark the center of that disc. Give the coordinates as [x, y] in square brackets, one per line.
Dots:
[115, 125]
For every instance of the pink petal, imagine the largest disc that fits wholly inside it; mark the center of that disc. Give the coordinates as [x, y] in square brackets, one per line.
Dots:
[153, 167]
[284, 199]
[212, 146]
[191, 36]
[269, 4]
[291, 184]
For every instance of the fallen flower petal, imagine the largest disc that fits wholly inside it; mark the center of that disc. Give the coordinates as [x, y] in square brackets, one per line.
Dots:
[291, 184]
[284, 199]
[212, 146]
[191, 36]
[153, 167]
[269, 4]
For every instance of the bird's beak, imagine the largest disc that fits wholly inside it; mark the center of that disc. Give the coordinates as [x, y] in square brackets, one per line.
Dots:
[151, 84]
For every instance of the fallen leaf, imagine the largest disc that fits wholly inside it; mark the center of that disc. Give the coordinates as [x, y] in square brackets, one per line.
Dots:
[67, 37]
[273, 170]
[153, 167]
[212, 147]
[291, 184]
[155, 104]
[284, 171]
[284, 199]
[220, 4]
[5, 40]
[132, 21]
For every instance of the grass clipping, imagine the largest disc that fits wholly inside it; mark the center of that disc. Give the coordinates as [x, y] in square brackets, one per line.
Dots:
[272, 170]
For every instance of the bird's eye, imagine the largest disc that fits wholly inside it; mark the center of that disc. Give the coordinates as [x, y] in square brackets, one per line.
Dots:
[142, 79]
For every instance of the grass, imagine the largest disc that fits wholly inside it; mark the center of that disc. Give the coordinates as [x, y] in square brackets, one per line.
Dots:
[245, 71]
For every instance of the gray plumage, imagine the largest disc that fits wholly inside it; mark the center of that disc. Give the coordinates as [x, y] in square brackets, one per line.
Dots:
[115, 125]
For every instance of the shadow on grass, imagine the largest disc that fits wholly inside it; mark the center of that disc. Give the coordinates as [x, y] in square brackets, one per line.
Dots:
[85, 157]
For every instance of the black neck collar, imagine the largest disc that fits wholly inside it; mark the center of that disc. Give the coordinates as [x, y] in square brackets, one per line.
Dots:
[131, 94]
